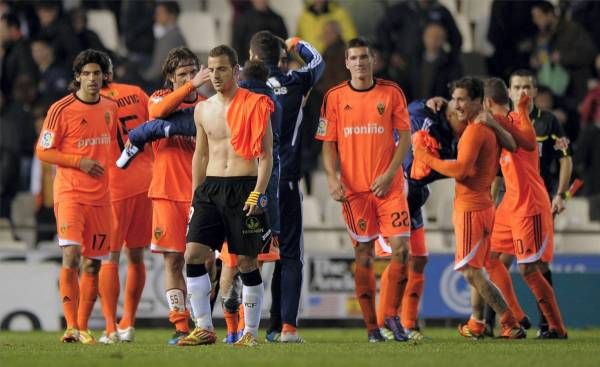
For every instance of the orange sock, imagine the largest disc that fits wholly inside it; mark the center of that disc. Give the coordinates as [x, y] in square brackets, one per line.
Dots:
[364, 279]
[181, 320]
[134, 286]
[412, 297]
[507, 320]
[383, 284]
[231, 319]
[69, 293]
[288, 328]
[109, 294]
[395, 288]
[501, 278]
[88, 292]
[241, 321]
[544, 295]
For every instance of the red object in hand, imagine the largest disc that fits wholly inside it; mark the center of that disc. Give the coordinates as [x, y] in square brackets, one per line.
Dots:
[422, 140]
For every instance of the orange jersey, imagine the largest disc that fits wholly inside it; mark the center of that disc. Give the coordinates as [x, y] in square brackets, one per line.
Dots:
[172, 172]
[525, 194]
[362, 124]
[474, 169]
[78, 129]
[132, 111]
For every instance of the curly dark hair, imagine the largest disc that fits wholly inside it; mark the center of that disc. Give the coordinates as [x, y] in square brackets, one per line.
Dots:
[90, 56]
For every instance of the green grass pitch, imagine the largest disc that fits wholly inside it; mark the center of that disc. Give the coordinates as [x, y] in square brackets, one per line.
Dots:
[324, 348]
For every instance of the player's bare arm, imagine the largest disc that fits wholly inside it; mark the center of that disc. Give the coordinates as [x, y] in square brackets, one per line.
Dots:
[381, 185]
[265, 165]
[564, 176]
[200, 157]
[330, 157]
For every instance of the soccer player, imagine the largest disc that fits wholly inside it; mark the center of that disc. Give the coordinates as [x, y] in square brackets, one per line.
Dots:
[231, 168]
[132, 214]
[171, 185]
[474, 170]
[291, 89]
[523, 224]
[444, 128]
[76, 137]
[556, 164]
[357, 125]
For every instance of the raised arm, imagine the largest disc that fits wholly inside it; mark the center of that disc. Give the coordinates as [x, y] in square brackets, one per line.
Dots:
[506, 140]
[310, 73]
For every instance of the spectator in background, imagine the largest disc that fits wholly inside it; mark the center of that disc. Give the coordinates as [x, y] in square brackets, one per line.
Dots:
[434, 68]
[366, 26]
[587, 164]
[566, 116]
[590, 107]
[87, 38]
[561, 42]
[17, 138]
[136, 28]
[400, 34]
[334, 54]
[54, 26]
[53, 76]
[510, 33]
[314, 17]
[259, 17]
[167, 36]
[587, 13]
[15, 55]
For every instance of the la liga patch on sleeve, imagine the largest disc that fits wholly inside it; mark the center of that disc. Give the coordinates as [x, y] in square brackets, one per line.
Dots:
[322, 129]
[47, 139]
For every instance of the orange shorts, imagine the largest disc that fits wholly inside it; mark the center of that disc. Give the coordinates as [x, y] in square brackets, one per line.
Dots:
[230, 260]
[368, 216]
[472, 232]
[416, 247]
[529, 238]
[132, 222]
[169, 225]
[84, 225]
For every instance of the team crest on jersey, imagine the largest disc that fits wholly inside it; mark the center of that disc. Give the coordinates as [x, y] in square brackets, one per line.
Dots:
[107, 117]
[362, 224]
[322, 129]
[158, 233]
[380, 108]
[47, 139]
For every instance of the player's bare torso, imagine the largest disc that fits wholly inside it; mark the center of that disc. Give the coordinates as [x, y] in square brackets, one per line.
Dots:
[222, 159]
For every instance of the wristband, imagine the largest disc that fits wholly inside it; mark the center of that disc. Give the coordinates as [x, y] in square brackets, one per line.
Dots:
[258, 199]
[565, 195]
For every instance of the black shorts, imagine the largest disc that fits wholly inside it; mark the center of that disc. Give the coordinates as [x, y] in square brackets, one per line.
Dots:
[217, 215]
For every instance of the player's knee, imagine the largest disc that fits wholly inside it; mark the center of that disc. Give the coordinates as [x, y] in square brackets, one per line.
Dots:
[91, 266]
[418, 263]
[247, 264]
[174, 263]
[135, 256]
[196, 253]
[526, 269]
